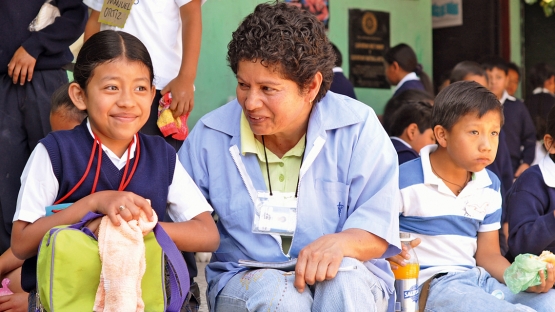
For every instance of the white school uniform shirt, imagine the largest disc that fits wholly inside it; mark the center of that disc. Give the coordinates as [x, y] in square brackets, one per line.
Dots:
[410, 76]
[39, 187]
[157, 23]
[505, 97]
[447, 224]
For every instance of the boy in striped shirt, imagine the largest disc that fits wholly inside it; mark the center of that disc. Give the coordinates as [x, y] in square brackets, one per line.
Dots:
[452, 205]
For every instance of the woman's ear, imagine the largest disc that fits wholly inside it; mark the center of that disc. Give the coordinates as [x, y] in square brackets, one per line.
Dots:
[314, 86]
[77, 96]
[549, 143]
[441, 135]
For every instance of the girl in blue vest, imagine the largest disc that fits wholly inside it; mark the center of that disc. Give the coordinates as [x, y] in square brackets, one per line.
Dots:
[531, 203]
[403, 70]
[106, 166]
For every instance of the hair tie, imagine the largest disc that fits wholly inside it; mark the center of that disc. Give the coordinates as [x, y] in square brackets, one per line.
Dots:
[418, 69]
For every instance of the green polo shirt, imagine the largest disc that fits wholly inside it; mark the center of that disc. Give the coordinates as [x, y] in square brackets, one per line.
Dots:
[284, 172]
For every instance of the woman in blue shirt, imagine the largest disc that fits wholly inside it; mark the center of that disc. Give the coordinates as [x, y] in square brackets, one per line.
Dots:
[295, 172]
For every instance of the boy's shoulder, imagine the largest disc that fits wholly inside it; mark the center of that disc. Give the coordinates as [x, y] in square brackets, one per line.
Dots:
[411, 173]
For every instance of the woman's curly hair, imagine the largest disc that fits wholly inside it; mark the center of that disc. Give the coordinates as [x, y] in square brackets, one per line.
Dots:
[286, 37]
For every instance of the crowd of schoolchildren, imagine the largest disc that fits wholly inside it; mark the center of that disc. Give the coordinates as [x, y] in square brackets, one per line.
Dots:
[476, 174]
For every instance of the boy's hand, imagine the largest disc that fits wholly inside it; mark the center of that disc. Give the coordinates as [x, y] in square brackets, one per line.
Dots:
[183, 95]
[547, 283]
[17, 302]
[21, 66]
[399, 260]
[128, 205]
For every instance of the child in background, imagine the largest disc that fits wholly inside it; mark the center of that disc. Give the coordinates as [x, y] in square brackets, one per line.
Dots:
[404, 71]
[398, 101]
[411, 130]
[501, 166]
[113, 82]
[453, 205]
[540, 102]
[531, 203]
[513, 78]
[519, 128]
[340, 84]
[64, 115]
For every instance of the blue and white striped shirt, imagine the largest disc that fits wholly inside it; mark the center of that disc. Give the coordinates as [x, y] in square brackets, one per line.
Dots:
[447, 224]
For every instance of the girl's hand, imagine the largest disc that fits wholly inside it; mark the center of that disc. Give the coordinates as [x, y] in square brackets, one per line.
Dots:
[14, 302]
[399, 260]
[127, 204]
[547, 283]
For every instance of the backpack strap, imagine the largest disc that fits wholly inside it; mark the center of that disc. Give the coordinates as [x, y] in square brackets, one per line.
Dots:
[179, 275]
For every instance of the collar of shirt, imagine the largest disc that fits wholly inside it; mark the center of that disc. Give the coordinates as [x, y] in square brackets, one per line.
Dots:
[337, 70]
[411, 76]
[400, 140]
[250, 145]
[479, 179]
[547, 167]
[505, 97]
[117, 161]
[539, 90]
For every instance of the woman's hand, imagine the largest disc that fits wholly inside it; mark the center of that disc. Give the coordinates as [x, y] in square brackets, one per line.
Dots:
[319, 261]
[547, 283]
[128, 205]
[399, 260]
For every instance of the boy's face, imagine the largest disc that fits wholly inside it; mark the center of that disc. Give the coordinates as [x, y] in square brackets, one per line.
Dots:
[512, 82]
[422, 139]
[472, 142]
[497, 81]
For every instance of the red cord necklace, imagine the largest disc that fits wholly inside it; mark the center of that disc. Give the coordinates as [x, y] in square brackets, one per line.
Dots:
[123, 183]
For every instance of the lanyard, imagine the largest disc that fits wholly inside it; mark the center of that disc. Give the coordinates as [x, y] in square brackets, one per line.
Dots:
[268, 168]
[123, 183]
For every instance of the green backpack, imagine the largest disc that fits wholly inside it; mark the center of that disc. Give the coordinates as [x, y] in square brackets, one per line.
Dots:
[68, 270]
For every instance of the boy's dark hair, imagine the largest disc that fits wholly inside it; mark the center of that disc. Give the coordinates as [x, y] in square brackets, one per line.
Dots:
[404, 55]
[107, 46]
[462, 98]
[61, 103]
[514, 67]
[539, 74]
[465, 68]
[284, 36]
[492, 62]
[401, 99]
[419, 113]
[338, 56]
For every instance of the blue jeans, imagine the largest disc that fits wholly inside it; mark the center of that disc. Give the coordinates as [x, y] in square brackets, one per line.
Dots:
[471, 291]
[271, 290]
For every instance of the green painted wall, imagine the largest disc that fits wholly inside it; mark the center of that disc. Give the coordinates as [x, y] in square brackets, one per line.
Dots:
[410, 22]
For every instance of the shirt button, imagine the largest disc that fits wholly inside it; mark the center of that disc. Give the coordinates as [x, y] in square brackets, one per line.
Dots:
[281, 178]
[281, 164]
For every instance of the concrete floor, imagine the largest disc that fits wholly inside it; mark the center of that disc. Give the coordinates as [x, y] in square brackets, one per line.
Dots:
[201, 281]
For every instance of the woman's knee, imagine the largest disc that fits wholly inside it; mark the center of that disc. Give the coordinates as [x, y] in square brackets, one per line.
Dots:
[257, 290]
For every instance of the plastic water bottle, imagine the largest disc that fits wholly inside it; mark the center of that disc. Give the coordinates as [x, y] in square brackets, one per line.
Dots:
[406, 280]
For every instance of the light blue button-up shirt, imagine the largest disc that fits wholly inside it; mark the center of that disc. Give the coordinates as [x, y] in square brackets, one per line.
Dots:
[348, 179]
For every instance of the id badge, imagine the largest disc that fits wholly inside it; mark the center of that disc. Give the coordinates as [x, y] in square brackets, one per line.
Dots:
[276, 214]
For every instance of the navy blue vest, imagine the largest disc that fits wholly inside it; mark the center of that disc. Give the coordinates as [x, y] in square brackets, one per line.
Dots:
[69, 153]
